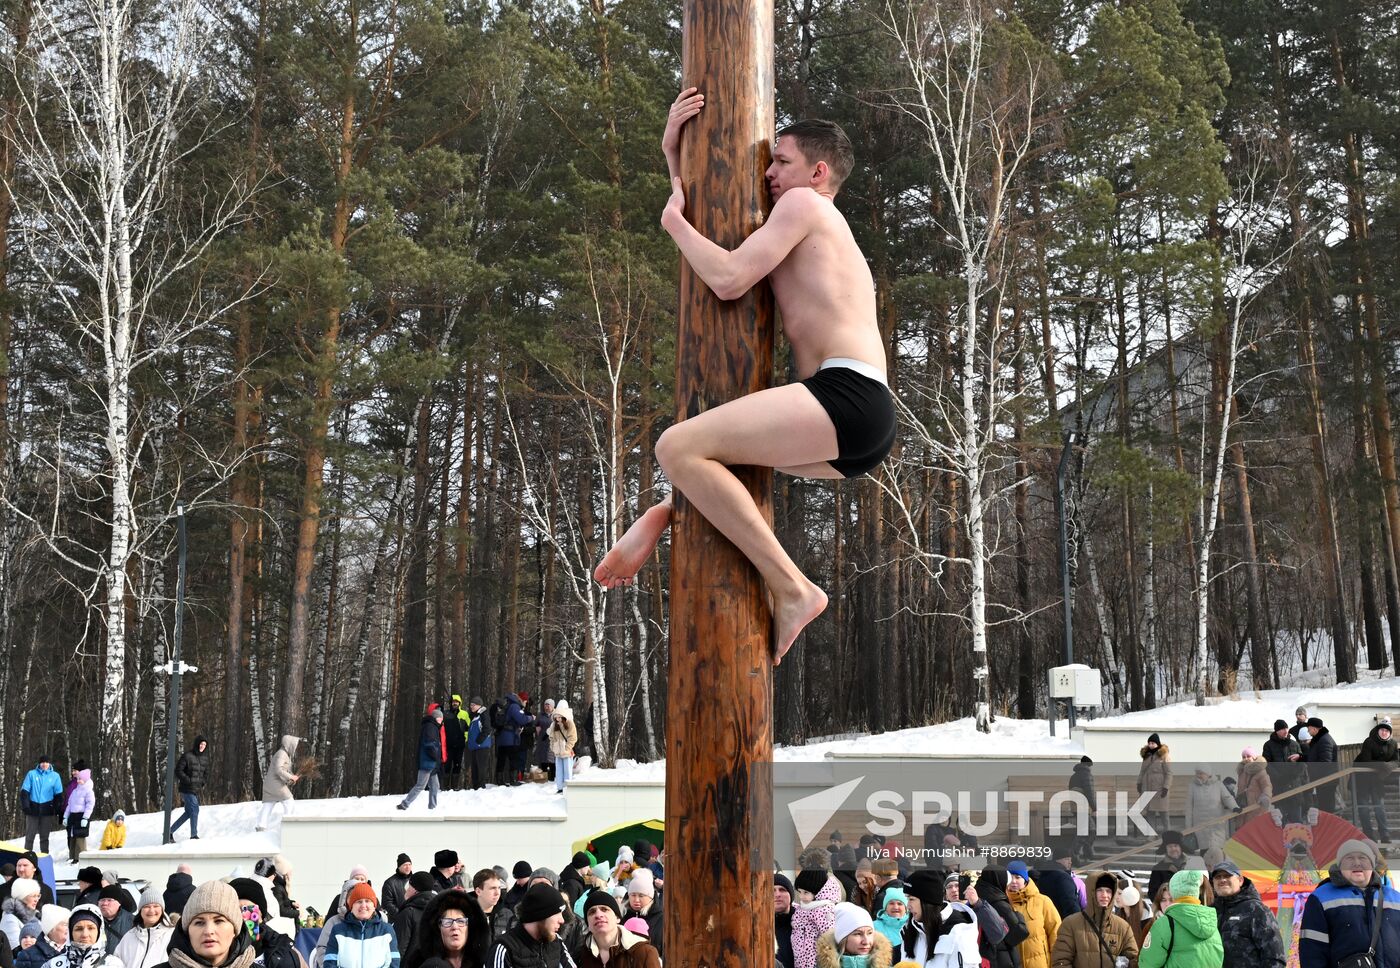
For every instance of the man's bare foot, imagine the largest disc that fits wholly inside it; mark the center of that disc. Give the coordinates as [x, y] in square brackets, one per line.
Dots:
[791, 615]
[622, 562]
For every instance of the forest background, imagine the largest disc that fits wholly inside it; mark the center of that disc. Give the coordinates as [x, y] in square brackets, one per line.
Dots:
[376, 291]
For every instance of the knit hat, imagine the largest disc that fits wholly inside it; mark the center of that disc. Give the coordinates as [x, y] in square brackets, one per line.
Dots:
[580, 859]
[22, 887]
[1315, 722]
[781, 880]
[90, 875]
[1019, 867]
[644, 882]
[1356, 847]
[32, 930]
[152, 895]
[283, 866]
[115, 892]
[602, 870]
[1385, 725]
[545, 873]
[1154, 738]
[361, 892]
[1301, 711]
[119, 815]
[111, 876]
[850, 917]
[475, 701]
[213, 897]
[52, 916]
[1130, 895]
[251, 891]
[893, 893]
[1186, 883]
[264, 867]
[810, 881]
[1086, 761]
[926, 885]
[359, 870]
[638, 926]
[85, 912]
[521, 869]
[422, 882]
[403, 859]
[603, 898]
[1279, 724]
[444, 859]
[541, 903]
[1248, 753]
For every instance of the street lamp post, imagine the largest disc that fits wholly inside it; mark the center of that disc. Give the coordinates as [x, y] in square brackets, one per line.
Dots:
[1060, 509]
[175, 668]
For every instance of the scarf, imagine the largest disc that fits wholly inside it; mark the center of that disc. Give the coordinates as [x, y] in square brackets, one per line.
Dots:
[89, 957]
[181, 959]
[856, 961]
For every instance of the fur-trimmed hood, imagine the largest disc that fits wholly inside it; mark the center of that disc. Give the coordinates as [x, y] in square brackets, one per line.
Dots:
[881, 956]
[1163, 752]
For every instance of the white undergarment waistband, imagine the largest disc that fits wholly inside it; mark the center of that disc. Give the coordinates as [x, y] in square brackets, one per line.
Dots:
[860, 366]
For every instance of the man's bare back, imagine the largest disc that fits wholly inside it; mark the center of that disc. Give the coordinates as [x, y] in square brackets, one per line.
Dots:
[838, 422]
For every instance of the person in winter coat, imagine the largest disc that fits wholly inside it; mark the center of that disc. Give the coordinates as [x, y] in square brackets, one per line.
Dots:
[1378, 756]
[608, 944]
[488, 886]
[362, 940]
[146, 944]
[894, 914]
[178, 888]
[1286, 771]
[783, 896]
[1321, 756]
[191, 773]
[53, 935]
[563, 737]
[114, 832]
[455, 733]
[643, 902]
[571, 881]
[87, 943]
[534, 941]
[1248, 929]
[1096, 937]
[452, 929]
[274, 948]
[942, 929]
[1132, 907]
[1207, 804]
[81, 802]
[1339, 917]
[479, 744]
[1174, 859]
[1185, 935]
[278, 781]
[1081, 781]
[507, 737]
[1155, 777]
[992, 886]
[1059, 883]
[432, 757]
[1299, 729]
[117, 920]
[394, 890]
[210, 932]
[19, 909]
[541, 756]
[359, 874]
[40, 800]
[853, 941]
[1042, 920]
[27, 865]
[419, 893]
[814, 914]
[1253, 785]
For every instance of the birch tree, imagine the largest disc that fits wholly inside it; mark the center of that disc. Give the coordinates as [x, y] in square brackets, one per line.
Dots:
[973, 92]
[111, 110]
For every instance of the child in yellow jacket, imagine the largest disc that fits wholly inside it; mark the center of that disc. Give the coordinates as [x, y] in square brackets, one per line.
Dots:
[114, 834]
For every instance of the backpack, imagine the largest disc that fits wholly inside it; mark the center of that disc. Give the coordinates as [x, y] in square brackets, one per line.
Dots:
[498, 716]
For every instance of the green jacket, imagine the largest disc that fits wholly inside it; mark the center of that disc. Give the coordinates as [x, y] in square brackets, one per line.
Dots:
[1185, 936]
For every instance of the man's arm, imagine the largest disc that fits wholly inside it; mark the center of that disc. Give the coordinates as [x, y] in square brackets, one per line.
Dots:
[731, 274]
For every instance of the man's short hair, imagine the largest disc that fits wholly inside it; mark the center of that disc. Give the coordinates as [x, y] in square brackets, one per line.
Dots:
[480, 878]
[824, 141]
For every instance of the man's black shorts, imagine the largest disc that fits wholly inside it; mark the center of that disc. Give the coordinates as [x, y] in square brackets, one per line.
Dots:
[861, 409]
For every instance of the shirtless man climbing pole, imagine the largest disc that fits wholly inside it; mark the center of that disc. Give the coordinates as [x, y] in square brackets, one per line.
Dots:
[838, 421]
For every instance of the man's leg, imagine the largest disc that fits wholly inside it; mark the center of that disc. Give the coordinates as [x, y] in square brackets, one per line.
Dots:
[417, 789]
[784, 427]
[45, 825]
[192, 810]
[31, 830]
[433, 788]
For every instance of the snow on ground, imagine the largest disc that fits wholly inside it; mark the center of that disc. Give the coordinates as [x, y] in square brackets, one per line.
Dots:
[1250, 708]
[228, 827]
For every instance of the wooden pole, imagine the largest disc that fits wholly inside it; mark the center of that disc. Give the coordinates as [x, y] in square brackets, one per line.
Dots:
[719, 735]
